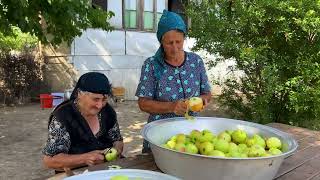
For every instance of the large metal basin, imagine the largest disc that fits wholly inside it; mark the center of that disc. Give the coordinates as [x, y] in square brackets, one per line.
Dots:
[193, 166]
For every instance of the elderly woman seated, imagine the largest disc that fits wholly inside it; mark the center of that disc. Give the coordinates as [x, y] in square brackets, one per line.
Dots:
[83, 126]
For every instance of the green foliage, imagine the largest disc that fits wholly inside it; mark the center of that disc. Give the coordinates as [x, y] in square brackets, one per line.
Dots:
[52, 21]
[18, 41]
[276, 45]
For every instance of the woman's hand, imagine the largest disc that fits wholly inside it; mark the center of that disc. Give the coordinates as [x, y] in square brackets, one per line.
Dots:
[180, 107]
[93, 157]
[118, 145]
[206, 99]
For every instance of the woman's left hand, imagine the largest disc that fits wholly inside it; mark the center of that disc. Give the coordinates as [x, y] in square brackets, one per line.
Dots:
[118, 145]
[205, 99]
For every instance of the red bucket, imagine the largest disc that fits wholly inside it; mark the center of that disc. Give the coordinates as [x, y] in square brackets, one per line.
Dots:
[46, 100]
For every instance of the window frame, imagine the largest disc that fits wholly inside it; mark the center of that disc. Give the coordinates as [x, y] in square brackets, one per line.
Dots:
[140, 16]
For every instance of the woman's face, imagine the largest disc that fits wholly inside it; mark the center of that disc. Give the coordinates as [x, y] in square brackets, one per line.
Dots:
[172, 43]
[91, 103]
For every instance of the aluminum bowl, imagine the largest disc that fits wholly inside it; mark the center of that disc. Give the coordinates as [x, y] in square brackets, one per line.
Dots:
[195, 166]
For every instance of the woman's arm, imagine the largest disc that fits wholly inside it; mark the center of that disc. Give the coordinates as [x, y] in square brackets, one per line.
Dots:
[63, 160]
[158, 107]
[116, 137]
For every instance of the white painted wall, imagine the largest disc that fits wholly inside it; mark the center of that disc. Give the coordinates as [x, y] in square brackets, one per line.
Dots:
[117, 54]
[120, 55]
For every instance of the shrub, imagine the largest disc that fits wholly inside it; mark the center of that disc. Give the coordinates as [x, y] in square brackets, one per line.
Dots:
[276, 44]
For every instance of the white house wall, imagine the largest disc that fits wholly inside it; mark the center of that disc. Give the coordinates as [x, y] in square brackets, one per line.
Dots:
[97, 50]
[120, 55]
[141, 43]
[99, 42]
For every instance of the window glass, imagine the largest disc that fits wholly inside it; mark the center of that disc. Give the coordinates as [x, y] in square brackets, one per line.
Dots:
[148, 15]
[130, 16]
[161, 5]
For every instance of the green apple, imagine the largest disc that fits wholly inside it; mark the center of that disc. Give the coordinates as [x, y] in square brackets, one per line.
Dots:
[242, 148]
[195, 104]
[225, 136]
[239, 136]
[274, 142]
[217, 153]
[206, 131]
[256, 151]
[191, 148]
[235, 154]
[243, 155]
[261, 142]
[171, 144]
[206, 147]
[180, 147]
[222, 145]
[214, 140]
[250, 142]
[181, 138]
[206, 136]
[233, 147]
[256, 136]
[229, 132]
[188, 140]
[274, 151]
[173, 138]
[197, 143]
[119, 177]
[111, 154]
[194, 135]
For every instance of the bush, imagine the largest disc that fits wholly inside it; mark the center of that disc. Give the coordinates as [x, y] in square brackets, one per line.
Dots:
[20, 72]
[276, 45]
[21, 77]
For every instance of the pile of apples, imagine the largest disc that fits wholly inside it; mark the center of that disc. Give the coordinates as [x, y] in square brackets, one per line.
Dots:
[229, 143]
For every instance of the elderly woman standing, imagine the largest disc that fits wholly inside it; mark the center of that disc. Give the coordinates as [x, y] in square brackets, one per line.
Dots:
[82, 127]
[172, 75]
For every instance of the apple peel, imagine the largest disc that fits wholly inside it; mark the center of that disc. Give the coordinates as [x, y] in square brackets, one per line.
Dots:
[114, 167]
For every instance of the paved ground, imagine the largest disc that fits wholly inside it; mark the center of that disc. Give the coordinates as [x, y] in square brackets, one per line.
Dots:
[23, 131]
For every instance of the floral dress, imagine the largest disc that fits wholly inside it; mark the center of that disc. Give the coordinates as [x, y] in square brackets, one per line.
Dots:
[173, 83]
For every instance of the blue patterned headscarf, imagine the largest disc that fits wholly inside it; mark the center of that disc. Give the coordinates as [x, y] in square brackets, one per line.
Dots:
[168, 21]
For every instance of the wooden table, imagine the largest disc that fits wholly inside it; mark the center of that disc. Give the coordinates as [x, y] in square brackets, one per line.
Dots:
[304, 164]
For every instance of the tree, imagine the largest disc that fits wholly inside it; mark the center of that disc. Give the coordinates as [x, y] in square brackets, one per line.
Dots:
[18, 41]
[276, 45]
[52, 21]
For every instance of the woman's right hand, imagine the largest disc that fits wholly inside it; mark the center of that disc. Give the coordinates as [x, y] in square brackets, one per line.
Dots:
[94, 157]
[180, 107]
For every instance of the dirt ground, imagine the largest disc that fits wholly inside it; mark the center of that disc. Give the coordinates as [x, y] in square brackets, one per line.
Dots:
[23, 132]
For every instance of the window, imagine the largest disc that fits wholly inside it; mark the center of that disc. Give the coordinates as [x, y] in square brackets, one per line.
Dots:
[161, 5]
[148, 15]
[140, 15]
[130, 14]
[143, 15]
